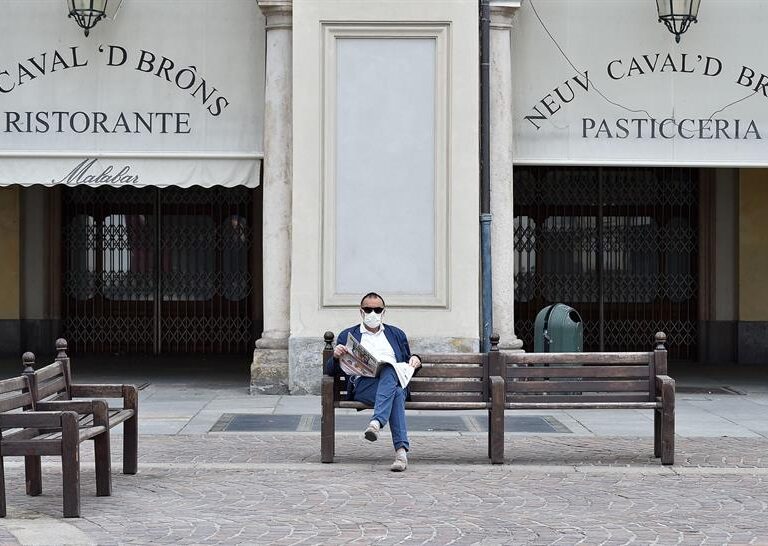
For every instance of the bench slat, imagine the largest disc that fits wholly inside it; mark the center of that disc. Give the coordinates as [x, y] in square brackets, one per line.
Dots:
[25, 447]
[14, 402]
[348, 404]
[545, 400]
[452, 358]
[116, 416]
[446, 405]
[581, 386]
[12, 384]
[44, 390]
[578, 371]
[583, 405]
[445, 386]
[603, 359]
[19, 434]
[49, 371]
[436, 370]
[437, 397]
[84, 433]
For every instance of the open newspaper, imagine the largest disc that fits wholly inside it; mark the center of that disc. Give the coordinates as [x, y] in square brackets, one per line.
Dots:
[358, 361]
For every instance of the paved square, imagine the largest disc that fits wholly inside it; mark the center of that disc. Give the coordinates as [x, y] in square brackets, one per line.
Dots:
[270, 488]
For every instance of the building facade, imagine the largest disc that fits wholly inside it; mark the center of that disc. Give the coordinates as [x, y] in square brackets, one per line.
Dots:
[230, 176]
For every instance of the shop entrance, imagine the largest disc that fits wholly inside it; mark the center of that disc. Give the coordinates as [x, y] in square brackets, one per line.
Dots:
[158, 271]
[620, 245]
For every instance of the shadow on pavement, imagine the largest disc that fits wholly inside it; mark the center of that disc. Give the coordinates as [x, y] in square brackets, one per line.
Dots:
[193, 370]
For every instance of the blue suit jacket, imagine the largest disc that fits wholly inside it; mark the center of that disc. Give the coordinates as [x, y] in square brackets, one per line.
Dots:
[396, 337]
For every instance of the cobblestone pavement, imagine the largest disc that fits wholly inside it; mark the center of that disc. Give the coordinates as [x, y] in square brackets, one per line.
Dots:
[271, 489]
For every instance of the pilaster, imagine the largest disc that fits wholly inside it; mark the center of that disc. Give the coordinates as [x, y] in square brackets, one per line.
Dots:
[503, 225]
[269, 370]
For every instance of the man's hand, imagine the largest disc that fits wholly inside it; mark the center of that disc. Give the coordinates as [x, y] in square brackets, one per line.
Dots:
[339, 350]
[415, 362]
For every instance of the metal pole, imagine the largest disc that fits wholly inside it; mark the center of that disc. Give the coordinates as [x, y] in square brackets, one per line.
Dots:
[599, 246]
[158, 271]
[485, 175]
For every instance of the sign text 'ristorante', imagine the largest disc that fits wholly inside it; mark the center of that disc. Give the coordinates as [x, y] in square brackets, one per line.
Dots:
[186, 79]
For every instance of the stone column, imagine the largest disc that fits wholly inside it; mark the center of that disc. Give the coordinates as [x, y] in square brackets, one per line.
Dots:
[502, 227]
[269, 370]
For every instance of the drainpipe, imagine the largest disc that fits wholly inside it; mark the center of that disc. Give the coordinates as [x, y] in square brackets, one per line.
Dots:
[485, 175]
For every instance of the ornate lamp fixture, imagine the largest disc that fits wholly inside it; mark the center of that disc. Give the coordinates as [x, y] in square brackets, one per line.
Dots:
[89, 12]
[678, 15]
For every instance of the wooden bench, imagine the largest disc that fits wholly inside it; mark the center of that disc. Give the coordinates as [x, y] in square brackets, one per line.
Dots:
[455, 381]
[555, 381]
[31, 434]
[53, 389]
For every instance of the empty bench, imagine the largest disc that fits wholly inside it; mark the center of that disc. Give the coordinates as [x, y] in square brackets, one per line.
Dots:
[31, 434]
[53, 389]
[452, 381]
[610, 381]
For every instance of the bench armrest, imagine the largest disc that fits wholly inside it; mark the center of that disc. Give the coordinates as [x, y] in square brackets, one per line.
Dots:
[78, 406]
[31, 419]
[98, 408]
[662, 380]
[129, 393]
[497, 391]
[327, 387]
[84, 390]
[665, 389]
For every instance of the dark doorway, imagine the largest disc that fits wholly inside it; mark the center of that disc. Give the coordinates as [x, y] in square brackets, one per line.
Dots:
[133, 284]
[620, 245]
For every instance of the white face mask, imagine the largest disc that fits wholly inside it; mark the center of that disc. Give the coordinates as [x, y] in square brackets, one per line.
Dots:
[372, 320]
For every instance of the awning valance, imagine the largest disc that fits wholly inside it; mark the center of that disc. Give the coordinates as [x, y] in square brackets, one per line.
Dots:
[168, 94]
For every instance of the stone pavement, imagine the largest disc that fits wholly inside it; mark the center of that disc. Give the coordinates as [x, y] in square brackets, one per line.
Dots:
[271, 489]
[597, 484]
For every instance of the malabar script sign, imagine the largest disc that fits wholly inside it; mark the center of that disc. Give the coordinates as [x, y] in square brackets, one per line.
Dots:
[168, 94]
[605, 83]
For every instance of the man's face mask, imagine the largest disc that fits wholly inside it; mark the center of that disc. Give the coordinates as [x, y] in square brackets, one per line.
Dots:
[371, 318]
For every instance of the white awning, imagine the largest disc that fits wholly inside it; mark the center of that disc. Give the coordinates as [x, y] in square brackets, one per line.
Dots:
[168, 94]
[603, 83]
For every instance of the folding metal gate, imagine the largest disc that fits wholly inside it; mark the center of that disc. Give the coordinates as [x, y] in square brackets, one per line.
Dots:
[180, 284]
[619, 245]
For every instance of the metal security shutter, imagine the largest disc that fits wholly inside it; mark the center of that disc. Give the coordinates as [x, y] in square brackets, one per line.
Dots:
[618, 244]
[134, 284]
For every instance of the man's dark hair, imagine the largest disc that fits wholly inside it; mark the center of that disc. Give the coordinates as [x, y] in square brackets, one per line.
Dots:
[372, 295]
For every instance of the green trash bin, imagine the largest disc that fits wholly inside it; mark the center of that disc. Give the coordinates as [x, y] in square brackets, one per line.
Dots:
[558, 329]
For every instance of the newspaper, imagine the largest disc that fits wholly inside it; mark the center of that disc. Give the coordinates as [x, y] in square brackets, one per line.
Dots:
[358, 361]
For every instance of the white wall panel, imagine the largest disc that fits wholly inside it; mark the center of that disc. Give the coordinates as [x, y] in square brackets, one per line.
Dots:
[385, 166]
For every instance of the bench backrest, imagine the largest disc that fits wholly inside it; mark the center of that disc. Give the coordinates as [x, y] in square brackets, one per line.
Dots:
[15, 394]
[446, 377]
[51, 382]
[581, 377]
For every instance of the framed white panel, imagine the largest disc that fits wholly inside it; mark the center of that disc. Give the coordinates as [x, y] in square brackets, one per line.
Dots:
[385, 164]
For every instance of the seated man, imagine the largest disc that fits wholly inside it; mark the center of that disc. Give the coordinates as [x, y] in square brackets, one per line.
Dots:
[387, 344]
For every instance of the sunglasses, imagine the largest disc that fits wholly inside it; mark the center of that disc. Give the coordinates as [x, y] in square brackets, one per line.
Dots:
[377, 310]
